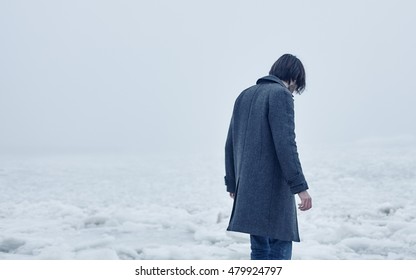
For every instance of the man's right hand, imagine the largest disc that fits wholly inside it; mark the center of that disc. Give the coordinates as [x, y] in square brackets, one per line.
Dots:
[305, 201]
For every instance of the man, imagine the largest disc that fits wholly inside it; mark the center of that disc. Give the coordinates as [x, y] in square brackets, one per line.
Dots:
[263, 171]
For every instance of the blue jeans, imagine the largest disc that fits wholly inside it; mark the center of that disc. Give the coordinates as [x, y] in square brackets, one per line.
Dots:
[265, 248]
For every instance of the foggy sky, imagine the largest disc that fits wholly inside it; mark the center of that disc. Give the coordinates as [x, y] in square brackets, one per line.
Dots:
[163, 75]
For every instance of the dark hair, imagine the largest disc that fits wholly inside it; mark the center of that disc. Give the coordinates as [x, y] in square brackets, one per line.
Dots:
[288, 67]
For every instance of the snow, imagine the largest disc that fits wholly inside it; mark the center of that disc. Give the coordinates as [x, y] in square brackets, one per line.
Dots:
[133, 206]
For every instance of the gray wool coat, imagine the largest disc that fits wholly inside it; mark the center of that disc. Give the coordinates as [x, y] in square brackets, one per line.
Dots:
[262, 163]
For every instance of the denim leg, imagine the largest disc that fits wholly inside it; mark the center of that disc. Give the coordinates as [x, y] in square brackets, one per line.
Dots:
[260, 247]
[280, 250]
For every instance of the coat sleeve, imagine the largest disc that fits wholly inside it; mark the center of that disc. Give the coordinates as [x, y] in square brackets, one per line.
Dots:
[282, 124]
[229, 161]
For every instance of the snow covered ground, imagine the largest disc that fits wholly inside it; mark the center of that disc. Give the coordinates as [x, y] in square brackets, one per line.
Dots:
[119, 206]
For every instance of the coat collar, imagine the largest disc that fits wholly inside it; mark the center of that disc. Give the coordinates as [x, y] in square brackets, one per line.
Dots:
[270, 79]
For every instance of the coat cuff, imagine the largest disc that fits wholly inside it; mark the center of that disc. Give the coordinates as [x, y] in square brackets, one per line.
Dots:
[298, 184]
[299, 188]
[230, 183]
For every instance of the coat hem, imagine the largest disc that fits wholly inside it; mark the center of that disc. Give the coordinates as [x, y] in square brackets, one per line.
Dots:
[261, 234]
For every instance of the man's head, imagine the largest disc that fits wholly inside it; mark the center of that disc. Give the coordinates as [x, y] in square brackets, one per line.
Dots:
[290, 69]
